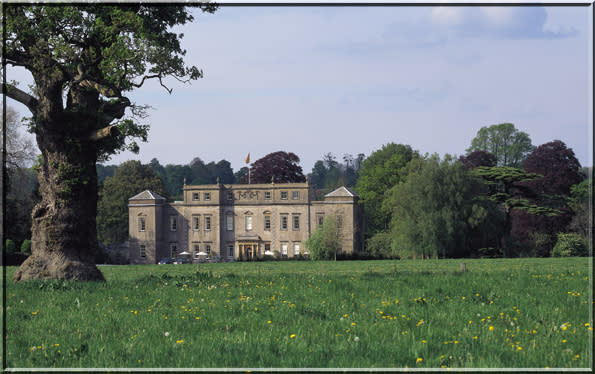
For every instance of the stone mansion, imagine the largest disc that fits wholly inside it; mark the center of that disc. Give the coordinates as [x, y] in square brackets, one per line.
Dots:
[234, 221]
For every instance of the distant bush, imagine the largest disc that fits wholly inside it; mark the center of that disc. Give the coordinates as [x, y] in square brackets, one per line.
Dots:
[26, 247]
[379, 245]
[9, 247]
[570, 244]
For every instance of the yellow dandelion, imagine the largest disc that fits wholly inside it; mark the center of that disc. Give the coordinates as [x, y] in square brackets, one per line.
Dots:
[519, 348]
[424, 341]
[419, 359]
[179, 341]
[352, 323]
[563, 340]
[491, 328]
[345, 315]
[291, 336]
[269, 322]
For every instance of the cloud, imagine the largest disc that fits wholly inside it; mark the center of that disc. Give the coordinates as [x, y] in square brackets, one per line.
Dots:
[498, 22]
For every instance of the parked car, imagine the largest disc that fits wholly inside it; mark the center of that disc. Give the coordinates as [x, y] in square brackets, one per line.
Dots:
[181, 260]
[166, 260]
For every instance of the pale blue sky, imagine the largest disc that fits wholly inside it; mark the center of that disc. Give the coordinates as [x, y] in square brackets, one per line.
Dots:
[313, 80]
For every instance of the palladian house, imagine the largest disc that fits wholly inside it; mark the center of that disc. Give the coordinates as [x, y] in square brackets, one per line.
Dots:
[238, 221]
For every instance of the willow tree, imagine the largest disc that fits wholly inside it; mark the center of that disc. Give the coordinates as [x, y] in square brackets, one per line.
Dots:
[83, 60]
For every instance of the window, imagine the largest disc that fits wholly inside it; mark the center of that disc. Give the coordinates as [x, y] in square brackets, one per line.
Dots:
[195, 223]
[267, 223]
[196, 248]
[229, 195]
[229, 222]
[296, 222]
[284, 249]
[208, 249]
[248, 223]
[195, 196]
[283, 195]
[319, 219]
[142, 250]
[295, 195]
[141, 224]
[173, 223]
[267, 195]
[173, 249]
[230, 250]
[208, 223]
[267, 246]
[207, 196]
[339, 222]
[296, 249]
[284, 222]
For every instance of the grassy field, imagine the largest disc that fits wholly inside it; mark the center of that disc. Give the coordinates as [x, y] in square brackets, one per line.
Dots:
[513, 313]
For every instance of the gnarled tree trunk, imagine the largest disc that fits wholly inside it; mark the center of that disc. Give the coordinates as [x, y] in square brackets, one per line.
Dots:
[64, 234]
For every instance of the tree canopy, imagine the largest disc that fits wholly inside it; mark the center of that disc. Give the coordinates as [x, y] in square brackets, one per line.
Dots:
[382, 170]
[280, 167]
[509, 145]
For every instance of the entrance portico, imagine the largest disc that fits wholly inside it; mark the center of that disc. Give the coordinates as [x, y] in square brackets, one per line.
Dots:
[248, 246]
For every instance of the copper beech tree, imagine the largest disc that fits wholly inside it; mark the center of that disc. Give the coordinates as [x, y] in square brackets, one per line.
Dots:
[83, 59]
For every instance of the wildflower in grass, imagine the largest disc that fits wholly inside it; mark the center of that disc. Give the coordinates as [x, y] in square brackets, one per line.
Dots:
[291, 336]
[470, 322]
[563, 340]
[356, 339]
[419, 360]
[179, 341]
[491, 328]
[35, 313]
[424, 341]
[269, 322]
[352, 323]
[166, 333]
[476, 337]
[519, 348]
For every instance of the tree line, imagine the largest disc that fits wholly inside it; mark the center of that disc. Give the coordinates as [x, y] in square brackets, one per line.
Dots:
[503, 198]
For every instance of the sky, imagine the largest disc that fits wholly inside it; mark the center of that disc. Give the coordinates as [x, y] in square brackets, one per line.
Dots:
[347, 80]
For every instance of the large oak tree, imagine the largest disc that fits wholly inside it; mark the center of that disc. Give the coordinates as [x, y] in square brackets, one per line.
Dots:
[83, 59]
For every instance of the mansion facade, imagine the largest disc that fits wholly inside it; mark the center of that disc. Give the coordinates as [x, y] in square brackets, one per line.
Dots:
[238, 221]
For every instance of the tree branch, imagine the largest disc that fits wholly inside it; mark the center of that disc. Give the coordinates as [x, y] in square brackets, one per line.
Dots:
[115, 109]
[21, 96]
[109, 131]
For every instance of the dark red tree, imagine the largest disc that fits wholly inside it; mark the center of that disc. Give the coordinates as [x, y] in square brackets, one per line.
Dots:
[561, 170]
[280, 167]
[478, 158]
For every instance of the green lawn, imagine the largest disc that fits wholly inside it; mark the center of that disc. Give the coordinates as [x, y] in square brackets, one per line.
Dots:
[515, 313]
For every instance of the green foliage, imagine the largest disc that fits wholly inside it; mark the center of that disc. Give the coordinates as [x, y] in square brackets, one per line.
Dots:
[382, 170]
[570, 244]
[26, 247]
[129, 179]
[325, 241]
[379, 245]
[434, 211]
[9, 246]
[103, 49]
[510, 146]
[328, 174]
[580, 204]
